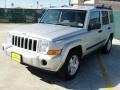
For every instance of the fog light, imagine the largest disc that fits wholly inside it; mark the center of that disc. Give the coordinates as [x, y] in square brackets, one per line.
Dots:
[43, 62]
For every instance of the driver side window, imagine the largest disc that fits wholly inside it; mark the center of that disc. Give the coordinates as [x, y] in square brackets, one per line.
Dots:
[94, 22]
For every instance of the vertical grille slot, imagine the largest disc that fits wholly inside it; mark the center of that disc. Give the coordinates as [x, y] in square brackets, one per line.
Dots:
[18, 41]
[34, 45]
[25, 43]
[22, 42]
[15, 40]
[12, 40]
[30, 44]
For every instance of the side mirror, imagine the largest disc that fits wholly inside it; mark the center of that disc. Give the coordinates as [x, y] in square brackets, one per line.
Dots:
[94, 26]
[90, 27]
[39, 20]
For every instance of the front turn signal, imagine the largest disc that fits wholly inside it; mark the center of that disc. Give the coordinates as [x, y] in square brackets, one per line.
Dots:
[54, 52]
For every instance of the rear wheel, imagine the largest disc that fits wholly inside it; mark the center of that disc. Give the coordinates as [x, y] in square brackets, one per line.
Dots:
[71, 65]
[107, 47]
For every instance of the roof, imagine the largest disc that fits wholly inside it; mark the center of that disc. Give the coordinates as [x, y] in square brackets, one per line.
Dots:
[76, 7]
[83, 7]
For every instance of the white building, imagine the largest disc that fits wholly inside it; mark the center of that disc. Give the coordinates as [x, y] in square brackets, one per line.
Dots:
[114, 3]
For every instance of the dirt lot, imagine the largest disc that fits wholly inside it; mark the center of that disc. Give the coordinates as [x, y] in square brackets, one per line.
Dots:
[97, 71]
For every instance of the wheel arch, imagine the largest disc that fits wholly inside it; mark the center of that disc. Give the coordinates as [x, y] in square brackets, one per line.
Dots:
[75, 45]
[77, 48]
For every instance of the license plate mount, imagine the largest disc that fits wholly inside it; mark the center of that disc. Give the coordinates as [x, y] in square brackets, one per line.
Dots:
[16, 57]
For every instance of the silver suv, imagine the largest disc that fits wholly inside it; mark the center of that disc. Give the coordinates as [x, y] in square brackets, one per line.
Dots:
[61, 38]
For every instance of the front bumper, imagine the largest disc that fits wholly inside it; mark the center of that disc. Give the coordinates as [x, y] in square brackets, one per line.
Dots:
[53, 63]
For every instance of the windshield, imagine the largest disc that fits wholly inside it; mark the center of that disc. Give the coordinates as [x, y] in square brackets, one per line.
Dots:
[74, 18]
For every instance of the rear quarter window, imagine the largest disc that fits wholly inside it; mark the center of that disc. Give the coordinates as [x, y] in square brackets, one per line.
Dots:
[111, 16]
[105, 18]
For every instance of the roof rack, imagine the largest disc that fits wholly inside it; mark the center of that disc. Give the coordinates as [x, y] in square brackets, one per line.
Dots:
[103, 7]
[97, 6]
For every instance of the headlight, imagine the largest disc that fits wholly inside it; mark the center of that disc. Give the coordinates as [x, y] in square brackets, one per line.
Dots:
[9, 37]
[43, 46]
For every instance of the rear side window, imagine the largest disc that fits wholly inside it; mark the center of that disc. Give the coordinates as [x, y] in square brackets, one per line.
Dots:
[105, 18]
[111, 16]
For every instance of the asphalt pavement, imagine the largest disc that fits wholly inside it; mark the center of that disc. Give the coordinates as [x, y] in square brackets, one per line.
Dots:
[97, 71]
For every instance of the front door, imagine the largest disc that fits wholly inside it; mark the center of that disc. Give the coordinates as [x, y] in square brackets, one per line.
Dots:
[94, 31]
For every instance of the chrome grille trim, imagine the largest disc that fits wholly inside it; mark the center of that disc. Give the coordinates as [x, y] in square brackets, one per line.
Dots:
[24, 42]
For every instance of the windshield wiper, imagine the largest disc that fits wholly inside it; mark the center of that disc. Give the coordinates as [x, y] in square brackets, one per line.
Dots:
[66, 25]
[75, 26]
[45, 23]
[41, 22]
[61, 24]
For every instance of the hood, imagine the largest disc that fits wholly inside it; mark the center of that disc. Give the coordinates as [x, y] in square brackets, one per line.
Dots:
[47, 30]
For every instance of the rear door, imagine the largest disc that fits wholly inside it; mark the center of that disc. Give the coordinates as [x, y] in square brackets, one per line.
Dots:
[106, 26]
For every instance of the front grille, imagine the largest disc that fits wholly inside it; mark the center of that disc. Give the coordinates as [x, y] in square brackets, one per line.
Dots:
[25, 43]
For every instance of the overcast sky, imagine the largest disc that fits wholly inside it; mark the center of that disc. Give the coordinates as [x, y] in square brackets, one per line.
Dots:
[33, 3]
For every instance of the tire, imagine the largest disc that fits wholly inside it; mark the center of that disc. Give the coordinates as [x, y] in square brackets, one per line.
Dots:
[107, 47]
[71, 66]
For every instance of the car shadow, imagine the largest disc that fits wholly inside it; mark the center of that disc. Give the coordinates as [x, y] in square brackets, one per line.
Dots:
[89, 76]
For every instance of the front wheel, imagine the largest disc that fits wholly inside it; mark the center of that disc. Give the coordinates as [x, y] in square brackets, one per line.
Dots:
[107, 47]
[71, 66]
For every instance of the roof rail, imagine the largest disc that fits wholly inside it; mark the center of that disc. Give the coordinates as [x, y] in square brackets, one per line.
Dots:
[103, 7]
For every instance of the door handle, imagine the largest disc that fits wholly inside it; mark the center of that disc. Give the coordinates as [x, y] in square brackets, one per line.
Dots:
[100, 31]
[109, 28]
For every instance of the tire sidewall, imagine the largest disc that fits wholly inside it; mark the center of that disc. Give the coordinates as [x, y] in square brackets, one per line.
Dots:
[72, 53]
[107, 45]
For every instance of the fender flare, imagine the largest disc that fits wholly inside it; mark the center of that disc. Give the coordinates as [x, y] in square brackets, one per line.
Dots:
[66, 49]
